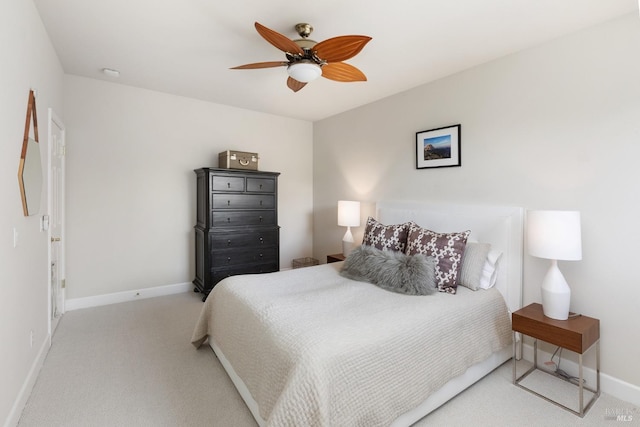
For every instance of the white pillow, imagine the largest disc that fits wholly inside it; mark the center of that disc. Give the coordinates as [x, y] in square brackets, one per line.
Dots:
[490, 269]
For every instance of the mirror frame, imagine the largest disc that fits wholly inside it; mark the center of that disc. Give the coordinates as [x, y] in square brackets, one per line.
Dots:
[31, 113]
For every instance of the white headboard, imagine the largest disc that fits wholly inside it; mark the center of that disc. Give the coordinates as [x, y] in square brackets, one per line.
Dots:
[501, 226]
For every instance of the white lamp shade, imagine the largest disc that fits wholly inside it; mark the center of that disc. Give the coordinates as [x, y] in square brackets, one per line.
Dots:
[304, 71]
[554, 235]
[348, 213]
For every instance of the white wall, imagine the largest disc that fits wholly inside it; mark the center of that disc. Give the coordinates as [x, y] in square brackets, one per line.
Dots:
[131, 186]
[554, 127]
[28, 61]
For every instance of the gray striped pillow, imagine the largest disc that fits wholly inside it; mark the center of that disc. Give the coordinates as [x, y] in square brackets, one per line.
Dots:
[473, 260]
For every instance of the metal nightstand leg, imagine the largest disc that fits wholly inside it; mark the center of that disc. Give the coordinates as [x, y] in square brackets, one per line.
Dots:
[581, 386]
[516, 379]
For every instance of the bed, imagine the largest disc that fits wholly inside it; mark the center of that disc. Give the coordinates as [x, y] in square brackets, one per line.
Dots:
[311, 347]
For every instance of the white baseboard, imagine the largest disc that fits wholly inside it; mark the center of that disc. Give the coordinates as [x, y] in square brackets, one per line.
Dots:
[620, 389]
[27, 386]
[608, 384]
[125, 296]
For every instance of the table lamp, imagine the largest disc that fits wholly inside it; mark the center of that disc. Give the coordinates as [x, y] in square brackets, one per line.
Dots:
[555, 235]
[348, 216]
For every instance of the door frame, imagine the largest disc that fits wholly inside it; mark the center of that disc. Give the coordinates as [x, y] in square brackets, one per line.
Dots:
[54, 120]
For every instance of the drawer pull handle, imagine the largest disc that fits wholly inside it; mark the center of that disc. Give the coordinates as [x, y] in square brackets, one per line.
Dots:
[260, 218]
[261, 186]
[261, 240]
[260, 202]
[228, 259]
[228, 219]
[228, 202]
[228, 242]
[261, 255]
[228, 185]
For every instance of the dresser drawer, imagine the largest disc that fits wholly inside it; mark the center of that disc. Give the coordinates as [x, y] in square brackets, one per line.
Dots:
[231, 257]
[218, 274]
[240, 239]
[261, 185]
[242, 218]
[243, 201]
[227, 183]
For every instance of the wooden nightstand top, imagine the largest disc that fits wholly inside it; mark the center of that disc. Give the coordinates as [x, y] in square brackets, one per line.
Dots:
[335, 258]
[575, 334]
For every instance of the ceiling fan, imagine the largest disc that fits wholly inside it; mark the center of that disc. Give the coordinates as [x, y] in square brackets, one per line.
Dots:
[308, 60]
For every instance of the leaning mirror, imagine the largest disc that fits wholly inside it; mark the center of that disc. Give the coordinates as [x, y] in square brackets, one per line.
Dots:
[30, 168]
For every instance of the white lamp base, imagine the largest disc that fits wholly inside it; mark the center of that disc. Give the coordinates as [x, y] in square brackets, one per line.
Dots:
[347, 242]
[556, 294]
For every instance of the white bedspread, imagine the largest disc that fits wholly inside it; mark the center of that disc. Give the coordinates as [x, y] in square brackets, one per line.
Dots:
[316, 349]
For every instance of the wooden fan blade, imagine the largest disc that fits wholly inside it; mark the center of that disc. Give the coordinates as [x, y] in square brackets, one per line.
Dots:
[295, 85]
[283, 43]
[261, 65]
[341, 72]
[340, 48]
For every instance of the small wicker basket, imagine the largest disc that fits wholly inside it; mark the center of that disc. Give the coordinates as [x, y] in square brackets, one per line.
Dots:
[305, 262]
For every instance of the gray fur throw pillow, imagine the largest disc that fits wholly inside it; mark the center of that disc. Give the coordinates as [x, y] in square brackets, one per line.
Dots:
[390, 270]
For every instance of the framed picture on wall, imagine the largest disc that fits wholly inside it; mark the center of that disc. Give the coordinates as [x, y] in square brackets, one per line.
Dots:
[438, 148]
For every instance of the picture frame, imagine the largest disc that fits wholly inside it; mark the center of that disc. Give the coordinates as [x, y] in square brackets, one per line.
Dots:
[438, 148]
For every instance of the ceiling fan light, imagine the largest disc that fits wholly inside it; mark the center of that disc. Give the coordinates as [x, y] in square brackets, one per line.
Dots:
[304, 72]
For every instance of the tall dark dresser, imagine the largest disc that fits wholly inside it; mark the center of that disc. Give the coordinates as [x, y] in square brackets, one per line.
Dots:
[236, 227]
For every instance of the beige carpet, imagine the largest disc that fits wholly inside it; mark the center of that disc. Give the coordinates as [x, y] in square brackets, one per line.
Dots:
[131, 364]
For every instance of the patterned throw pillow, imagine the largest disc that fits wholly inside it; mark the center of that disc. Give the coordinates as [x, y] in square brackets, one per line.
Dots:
[385, 237]
[446, 248]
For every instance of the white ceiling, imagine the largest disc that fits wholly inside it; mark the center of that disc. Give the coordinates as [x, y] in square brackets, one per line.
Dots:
[186, 47]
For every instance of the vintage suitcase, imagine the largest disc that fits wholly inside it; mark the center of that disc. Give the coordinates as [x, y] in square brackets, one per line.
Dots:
[231, 159]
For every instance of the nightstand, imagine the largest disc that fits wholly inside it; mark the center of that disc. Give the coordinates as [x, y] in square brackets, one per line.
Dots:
[335, 258]
[577, 334]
